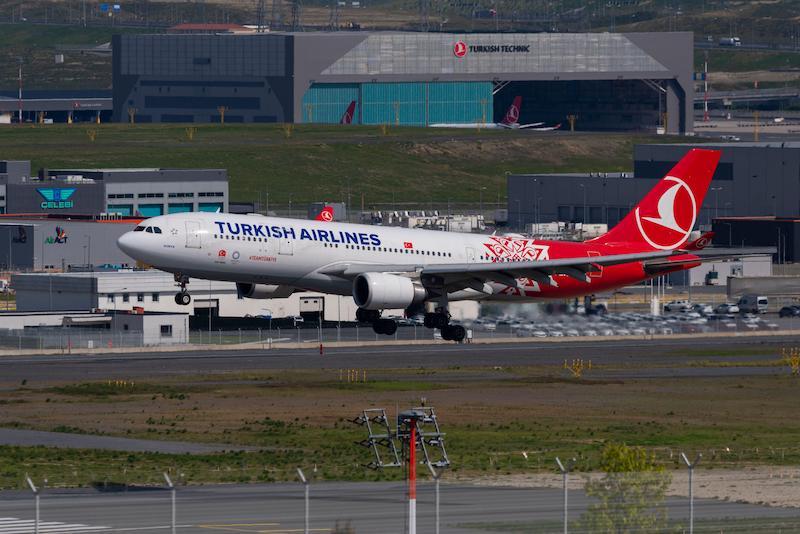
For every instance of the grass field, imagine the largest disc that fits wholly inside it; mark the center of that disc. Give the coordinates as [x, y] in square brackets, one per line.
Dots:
[312, 163]
[491, 416]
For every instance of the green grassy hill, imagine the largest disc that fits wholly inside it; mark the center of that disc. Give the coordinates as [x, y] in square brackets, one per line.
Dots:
[407, 165]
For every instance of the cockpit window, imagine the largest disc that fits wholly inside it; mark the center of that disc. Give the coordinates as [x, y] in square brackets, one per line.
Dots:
[156, 230]
[139, 229]
[149, 230]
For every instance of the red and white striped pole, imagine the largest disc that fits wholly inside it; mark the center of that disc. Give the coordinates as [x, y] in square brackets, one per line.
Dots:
[412, 477]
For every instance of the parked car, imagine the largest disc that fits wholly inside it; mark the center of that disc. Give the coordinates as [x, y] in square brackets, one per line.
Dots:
[727, 308]
[703, 309]
[677, 306]
[790, 311]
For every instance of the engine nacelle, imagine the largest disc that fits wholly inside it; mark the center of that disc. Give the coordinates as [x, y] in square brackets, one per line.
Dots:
[263, 291]
[379, 291]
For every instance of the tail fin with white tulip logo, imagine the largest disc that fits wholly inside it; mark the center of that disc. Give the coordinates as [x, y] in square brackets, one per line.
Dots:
[665, 217]
[326, 215]
[512, 115]
[349, 113]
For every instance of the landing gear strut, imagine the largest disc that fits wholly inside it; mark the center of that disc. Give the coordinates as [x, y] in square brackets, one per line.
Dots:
[182, 298]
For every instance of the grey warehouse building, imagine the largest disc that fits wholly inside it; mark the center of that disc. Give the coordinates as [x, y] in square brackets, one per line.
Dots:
[607, 81]
[752, 180]
[68, 219]
[124, 192]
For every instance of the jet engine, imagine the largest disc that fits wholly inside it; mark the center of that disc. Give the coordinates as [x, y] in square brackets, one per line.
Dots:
[263, 291]
[379, 291]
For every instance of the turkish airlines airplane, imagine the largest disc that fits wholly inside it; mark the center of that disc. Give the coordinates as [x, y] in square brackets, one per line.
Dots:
[509, 122]
[349, 113]
[423, 270]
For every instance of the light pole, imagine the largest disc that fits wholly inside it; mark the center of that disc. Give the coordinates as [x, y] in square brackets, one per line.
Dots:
[691, 466]
[305, 483]
[35, 491]
[716, 191]
[19, 96]
[436, 476]
[583, 213]
[171, 487]
[89, 255]
[565, 469]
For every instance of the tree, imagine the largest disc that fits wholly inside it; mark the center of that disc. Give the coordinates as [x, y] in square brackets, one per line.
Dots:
[630, 494]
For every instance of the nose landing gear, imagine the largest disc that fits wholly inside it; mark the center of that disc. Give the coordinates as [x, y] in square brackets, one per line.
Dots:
[182, 298]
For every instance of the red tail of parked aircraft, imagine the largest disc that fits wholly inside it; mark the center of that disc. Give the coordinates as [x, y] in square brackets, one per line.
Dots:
[512, 115]
[326, 215]
[665, 217]
[349, 113]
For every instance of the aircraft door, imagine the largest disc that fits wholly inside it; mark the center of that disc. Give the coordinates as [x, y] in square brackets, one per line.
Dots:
[193, 234]
[286, 247]
[470, 255]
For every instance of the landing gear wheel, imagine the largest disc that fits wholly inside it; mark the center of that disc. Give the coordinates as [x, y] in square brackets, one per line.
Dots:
[436, 320]
[455, 333]
[183, 298]
[367, 316]
[385, 326]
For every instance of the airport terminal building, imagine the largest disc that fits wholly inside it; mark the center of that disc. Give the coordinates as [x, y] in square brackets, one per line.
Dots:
[604, 81]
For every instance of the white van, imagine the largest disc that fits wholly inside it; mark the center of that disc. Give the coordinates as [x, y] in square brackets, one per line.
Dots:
[753, 304]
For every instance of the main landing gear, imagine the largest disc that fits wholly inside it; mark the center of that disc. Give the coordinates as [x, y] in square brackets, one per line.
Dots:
[182, 297]
[380, 326]
[441, 319]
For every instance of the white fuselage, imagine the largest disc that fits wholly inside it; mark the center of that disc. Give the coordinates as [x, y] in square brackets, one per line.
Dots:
[295, 252]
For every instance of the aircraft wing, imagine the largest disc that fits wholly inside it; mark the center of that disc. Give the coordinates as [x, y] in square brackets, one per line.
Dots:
[531, 125]
[455, 276]
[504, 272]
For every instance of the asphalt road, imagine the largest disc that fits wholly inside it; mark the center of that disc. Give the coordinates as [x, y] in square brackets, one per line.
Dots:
[633, 358]
[372, 508]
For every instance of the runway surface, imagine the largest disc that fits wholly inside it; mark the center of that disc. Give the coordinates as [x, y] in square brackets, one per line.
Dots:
[632, 358]
[371, 508]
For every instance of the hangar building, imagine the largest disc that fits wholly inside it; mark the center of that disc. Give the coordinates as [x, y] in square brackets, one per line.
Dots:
[606, 81]
[752, 180]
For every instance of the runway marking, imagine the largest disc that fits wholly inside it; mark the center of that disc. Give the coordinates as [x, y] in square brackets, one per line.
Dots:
[237, 527]
[243, 527]
[13, 525]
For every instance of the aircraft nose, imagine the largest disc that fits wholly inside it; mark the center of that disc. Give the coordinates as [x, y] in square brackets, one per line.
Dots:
[127, 243]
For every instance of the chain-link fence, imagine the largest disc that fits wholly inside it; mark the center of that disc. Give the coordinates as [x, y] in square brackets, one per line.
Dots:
[72, 338]
[755, 500]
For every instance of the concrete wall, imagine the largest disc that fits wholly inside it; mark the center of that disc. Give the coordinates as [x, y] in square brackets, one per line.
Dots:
[155, 328]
